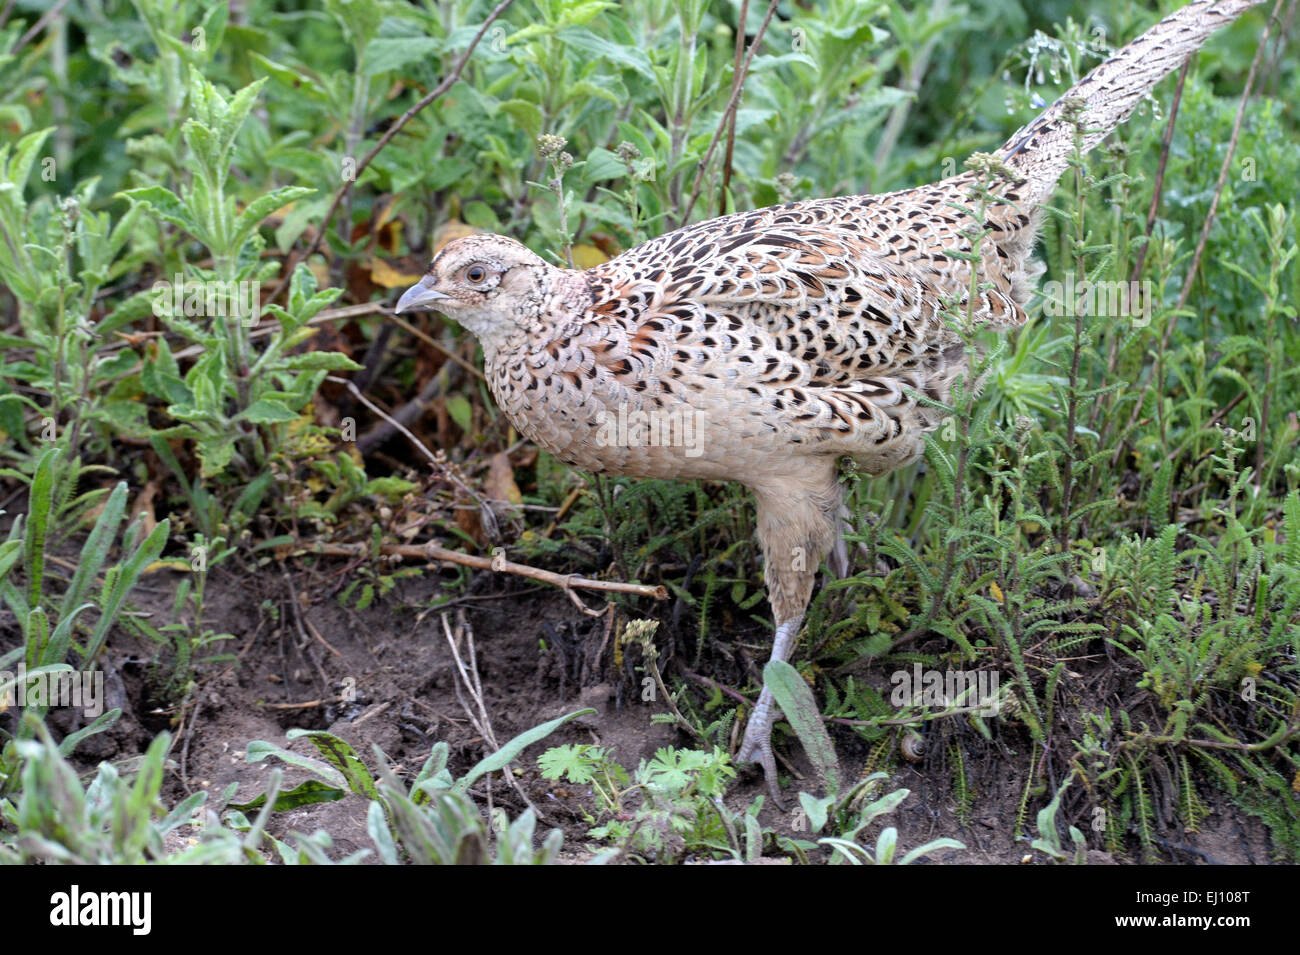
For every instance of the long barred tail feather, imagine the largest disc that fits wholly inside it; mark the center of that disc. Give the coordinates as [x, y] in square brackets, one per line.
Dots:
[1041, 150]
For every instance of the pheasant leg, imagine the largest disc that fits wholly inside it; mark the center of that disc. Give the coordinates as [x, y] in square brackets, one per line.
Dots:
[757, 744]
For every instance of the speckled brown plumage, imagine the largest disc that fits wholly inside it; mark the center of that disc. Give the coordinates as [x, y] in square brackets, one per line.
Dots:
[764, 346]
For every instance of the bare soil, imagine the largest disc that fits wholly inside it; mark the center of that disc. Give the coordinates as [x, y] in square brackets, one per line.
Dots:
[385, 677]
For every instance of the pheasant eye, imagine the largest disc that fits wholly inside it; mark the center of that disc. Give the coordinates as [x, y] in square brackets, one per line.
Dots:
[476, 273]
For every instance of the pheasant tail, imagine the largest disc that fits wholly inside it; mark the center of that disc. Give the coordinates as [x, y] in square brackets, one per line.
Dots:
[1041, 150]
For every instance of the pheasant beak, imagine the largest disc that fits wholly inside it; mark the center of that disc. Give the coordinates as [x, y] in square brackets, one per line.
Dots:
[422, 295]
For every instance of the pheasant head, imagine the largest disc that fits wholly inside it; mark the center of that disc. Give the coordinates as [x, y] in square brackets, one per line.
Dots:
[492, 285]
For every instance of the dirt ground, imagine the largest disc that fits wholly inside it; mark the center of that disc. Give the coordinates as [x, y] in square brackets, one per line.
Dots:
[538, 657]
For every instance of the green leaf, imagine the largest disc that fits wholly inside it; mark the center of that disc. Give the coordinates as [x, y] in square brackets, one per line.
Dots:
[101, 723]
[795, 698]
[480, 215]
[215, 450]
[319, 361]
[512, 749]
[124, 577]
[461, 411]
[95, 550]
[586, 42]
[258, 750]
[929, 847]
[213, 26]
[129, 310]
[886, 843]
[266, 411]
[391, 54]
[342, 757]
[260, 208]
[10, 551]
[307, 793]
[393, 488]
[7, 685]
[381, 835]
[603, 165]
[165, 204]
[301, 83]
[159, 382]
[527, 115]
[40, 499]
[574, 762]
[16, 170]
[816, 809]
[232, 118]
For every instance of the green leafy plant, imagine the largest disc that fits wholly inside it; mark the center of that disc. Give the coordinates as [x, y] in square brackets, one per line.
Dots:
[432, 822]
[1049, 837]
[118, 819]
[851, 818]
[664, 810]
[50, 622]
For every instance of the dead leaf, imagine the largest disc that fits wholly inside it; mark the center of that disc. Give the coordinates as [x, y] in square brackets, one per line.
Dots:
[588, 256]
[321, 271]
[500, 484]
[450, 230]
[385, 276]
[143, 506]
[467, 519]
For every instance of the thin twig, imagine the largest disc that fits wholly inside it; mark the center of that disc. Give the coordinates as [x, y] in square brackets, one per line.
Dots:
[189, 735]
[440, 383]
[448, 81]
[1223, 178]
[1159, 187]
[736, 79]
[305, 705]
[469, 678]
[567, 582]
[432, 458]
[736, 89]
[38, 26]
[713, 684]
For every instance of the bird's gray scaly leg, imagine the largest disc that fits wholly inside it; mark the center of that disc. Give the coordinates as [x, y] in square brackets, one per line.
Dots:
[757, 744]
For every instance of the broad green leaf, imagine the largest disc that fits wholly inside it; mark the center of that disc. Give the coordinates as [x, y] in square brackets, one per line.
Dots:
[265, 411]
[320, 360]
[165, 204]
[306, 793]
[258, 750]
[339, 754]
[795, 698]
[461, 411]
[260, 208]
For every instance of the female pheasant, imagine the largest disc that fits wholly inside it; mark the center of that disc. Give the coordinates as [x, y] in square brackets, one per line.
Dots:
[763, 346]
